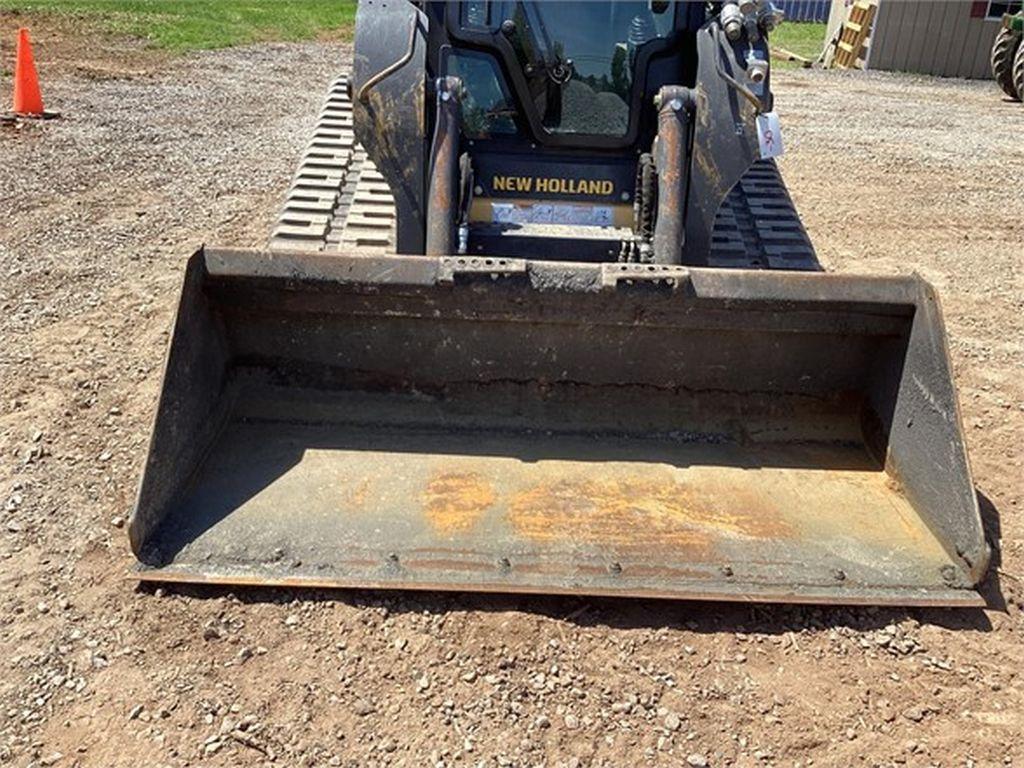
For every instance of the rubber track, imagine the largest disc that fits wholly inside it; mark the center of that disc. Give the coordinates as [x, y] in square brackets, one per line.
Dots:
[757, 226]
[339, 202]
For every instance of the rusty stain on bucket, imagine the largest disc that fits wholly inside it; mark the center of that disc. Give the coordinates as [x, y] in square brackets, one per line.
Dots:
[359, 495]
[622, 512]
[453, 502]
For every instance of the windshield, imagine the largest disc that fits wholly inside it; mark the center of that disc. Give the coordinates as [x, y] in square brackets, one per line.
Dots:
[578, 57]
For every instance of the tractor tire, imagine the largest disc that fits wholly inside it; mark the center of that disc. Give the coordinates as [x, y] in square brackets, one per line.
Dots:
[1004, 50]
[1018, 72]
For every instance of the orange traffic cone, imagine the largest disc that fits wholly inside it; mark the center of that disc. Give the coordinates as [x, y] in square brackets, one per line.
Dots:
[28, 100]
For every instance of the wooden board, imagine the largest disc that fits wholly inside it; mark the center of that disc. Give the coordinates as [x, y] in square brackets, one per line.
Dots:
[854, 34]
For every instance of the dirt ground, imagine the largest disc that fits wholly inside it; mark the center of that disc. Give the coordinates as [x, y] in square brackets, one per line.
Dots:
[155, 155]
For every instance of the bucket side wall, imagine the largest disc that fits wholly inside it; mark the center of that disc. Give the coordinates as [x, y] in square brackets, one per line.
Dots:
[926, 450]
[190, 410]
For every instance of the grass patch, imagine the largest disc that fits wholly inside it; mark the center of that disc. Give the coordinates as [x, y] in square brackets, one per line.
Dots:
[182, 25]
[805, 38]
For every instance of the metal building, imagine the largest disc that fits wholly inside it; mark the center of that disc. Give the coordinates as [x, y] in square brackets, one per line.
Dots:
[949, 38]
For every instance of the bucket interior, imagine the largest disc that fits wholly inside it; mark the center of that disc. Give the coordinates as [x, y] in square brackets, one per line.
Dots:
[425, 439]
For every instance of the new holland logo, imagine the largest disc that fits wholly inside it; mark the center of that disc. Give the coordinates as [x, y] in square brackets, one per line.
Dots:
[540, 185]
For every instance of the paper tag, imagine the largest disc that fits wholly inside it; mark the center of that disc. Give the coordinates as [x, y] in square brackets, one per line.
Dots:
[548, 213]
[769, 135]
[506, 213]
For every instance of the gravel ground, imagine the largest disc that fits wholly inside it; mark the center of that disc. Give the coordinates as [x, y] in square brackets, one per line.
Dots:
[156, 155]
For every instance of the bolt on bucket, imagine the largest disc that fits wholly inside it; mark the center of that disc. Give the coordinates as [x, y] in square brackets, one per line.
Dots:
[511, 426]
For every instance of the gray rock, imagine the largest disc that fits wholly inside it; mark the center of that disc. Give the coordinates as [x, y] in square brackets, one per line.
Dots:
[915, 714]
[363, 708]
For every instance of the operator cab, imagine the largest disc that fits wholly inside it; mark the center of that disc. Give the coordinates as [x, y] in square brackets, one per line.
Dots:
[573, 68]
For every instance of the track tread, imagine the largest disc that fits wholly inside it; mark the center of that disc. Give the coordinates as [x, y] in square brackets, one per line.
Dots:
[338, 200]
[757, 226]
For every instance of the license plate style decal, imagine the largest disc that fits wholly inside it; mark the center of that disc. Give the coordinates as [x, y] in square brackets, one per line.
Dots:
[553, 213]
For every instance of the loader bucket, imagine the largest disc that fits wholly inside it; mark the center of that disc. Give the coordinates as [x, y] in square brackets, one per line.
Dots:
[513, 426]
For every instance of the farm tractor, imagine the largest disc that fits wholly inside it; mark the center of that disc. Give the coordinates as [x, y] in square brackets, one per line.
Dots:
[1008, 56]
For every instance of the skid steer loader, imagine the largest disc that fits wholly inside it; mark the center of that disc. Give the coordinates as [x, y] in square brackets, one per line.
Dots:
[539, 317]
